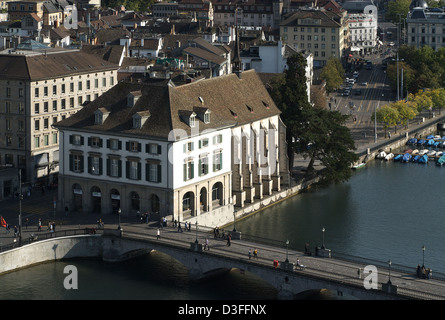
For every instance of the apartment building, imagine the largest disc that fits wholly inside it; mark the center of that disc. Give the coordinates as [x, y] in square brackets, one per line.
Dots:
[322, 32]
[38, 89]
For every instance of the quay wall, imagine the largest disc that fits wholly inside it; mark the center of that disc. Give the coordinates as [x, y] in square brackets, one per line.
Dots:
[398, 141]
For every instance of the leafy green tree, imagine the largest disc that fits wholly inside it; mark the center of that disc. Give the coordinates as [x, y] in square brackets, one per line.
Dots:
[315, 133]
[387, 116]
[332, 73]
[397, 8]
[406, 111]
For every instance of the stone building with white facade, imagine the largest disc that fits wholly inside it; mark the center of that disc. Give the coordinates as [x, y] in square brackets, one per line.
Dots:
[190, 152]
[38, 89]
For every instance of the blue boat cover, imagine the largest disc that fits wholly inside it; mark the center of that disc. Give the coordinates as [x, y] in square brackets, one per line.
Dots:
[423, 159]
[406, 157]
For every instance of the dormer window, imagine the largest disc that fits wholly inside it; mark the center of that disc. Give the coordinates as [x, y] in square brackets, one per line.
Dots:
[188, 117]
[192, 120]
[139, 119]
[98, 118]
[207, 117]
[202, 113]
[133, 97]
[100, 115]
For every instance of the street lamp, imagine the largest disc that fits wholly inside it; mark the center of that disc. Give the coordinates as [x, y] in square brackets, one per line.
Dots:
[389, 276]
[423, 254]
[287, 250]
[119, 215]
[323, 230]
[20, 207]
[196, 227]
[234, 221]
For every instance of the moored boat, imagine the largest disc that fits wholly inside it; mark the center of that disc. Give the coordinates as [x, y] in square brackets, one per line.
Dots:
[415, 152]
[358, 166]
[441, 161]
[431, 153]
[406, 157]
[389, 156]
[423, 159]
[398, 157]
[381, 155]
[423, 151]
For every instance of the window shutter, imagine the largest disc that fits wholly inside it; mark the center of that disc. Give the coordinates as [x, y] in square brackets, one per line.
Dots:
[200, 167]
[108, 165]
[159, 149]
[81, 141]
[127, 145]
[147, 148]
[89, 164]
[71, 160]
[139, 147]
[71, 139]
[147, 172]
[139, 169]
[89, 141]
[81, 164]
[119, 143]
[159, 173]
[127, 169]
[108, 143]
[119, 168]
[185, 171]
[100, 166]
[100, 143]
[192, 166]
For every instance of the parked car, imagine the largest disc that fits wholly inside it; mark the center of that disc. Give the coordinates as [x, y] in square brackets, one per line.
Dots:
[365, 83]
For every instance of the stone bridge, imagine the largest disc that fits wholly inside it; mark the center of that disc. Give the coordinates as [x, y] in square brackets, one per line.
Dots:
[271, 265]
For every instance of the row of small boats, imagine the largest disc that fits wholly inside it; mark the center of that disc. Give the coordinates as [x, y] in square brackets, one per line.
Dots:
[409, 155]
[433, 141]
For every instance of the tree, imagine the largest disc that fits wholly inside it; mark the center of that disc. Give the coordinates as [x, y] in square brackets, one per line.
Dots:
[290, 95]
[406, 111]
[332, 73]
[437, 97]
[397, 8]
[387, 116]
[332, 145]
[316, 133]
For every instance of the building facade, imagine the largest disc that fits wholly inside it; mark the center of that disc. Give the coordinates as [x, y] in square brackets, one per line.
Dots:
[323, 33]
[172, 151]
[426, 27]
[38, 90]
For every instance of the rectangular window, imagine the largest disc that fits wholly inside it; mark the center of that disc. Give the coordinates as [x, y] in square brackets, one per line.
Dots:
[36, 92]
[153, 172]
[217, 161]
[188, 147]
[95, 142]
[95, 165]
[203, 166]
[114, 167]
[133, 170]
[76, 162]
[45, 106]
[36, 125]
[114, 144]
[153, 148]
[133, 146]
[217, 139]
[188, 170]
[76, 140]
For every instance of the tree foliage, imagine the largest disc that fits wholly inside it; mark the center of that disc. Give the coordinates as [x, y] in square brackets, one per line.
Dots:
[397, 8]
[424, 68]
[316, 133]
[332, 73]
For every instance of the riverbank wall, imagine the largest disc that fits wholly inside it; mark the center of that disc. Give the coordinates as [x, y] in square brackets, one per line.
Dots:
[397, 141]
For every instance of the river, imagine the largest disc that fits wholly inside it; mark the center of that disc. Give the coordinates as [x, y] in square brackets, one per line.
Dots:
[387, 210]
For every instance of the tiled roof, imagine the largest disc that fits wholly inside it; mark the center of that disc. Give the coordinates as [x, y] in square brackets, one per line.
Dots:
[51, 65]
[232, 101]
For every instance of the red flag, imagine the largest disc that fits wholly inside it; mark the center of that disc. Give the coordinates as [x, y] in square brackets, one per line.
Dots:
[2, 222]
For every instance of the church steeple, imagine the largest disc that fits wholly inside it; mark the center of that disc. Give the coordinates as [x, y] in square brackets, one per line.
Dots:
[236, 59]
